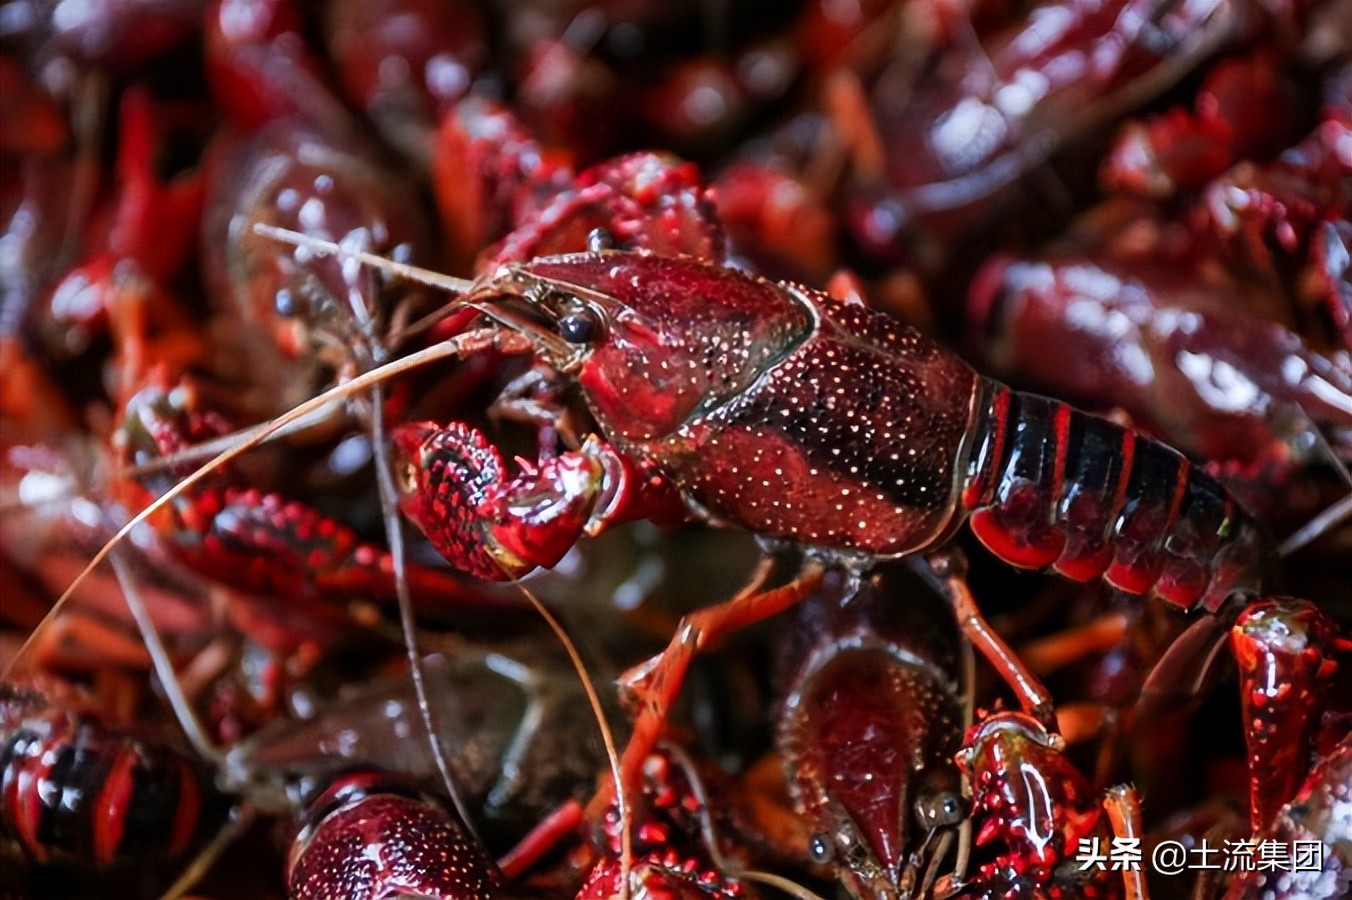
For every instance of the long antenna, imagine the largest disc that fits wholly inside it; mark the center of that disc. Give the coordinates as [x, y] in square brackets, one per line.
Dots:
[1321, 523]
[375, 354]
[1334, 515]
[389, 508]
[470, 341]
[329, 248]
[622, 805]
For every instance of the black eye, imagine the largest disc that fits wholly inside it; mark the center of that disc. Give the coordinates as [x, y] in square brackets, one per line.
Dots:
[285, 304]
[580, 327]
[599, 239]
[819, 848]
[939, 810]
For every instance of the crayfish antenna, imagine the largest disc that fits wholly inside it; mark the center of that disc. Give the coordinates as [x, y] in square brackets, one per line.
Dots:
[208, 449]
[388, 266]
[622, 804]
[395, 538]
[706, 825]
[375, 353]
[204, 451]
[466, 342]
[164, 667]
[1332, 516]
[394, 534]
[466, 289]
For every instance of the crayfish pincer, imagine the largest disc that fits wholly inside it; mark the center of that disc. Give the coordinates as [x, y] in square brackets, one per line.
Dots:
[820, 422]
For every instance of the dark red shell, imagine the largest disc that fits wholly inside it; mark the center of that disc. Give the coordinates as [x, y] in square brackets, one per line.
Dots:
[746, 393]
[1284, 650]
[383, 845]
[75, 789]
[1319, 816]
[1029, 801]
[869, 728]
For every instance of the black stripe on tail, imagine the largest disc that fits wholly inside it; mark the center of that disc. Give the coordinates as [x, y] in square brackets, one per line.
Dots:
[1048, 485]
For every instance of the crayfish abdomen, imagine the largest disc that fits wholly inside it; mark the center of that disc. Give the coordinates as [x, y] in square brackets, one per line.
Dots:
[75, 789]
[1048, 485]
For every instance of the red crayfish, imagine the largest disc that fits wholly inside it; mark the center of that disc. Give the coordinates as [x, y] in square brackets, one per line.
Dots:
[649, 377]
[725, 390]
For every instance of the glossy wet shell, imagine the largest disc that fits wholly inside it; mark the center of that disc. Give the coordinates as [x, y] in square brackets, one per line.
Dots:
[853, 439]
[1284, 650]
[683, 336]
[387, 845]
[73, 788]
[1018, 777]
[870, 725]
[862, 734]
[779, 409]
[1321, 813]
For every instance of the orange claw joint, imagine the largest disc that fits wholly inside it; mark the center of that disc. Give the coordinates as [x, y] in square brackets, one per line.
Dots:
[1026, 794]
[1283, 648]
[456, 489]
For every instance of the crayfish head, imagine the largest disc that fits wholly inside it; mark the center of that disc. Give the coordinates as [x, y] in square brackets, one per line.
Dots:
[873, 777]
[654, 342]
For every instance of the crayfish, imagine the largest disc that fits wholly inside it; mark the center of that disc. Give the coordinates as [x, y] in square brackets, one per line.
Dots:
[769, 513]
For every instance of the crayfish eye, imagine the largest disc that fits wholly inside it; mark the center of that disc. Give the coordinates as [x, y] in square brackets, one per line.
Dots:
[599, 239]
[939, 810]
[582, 326]
[820, 849]
[286, 304]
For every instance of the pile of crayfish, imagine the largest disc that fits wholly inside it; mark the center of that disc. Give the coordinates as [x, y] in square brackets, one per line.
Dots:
[676, 448]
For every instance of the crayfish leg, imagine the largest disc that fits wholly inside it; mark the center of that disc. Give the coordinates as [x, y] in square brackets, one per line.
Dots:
[1123, 806]
[949, 567]
[654, 685]
[546, 835]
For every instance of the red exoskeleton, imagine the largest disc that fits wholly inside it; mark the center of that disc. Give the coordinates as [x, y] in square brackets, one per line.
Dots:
[371, 836]
[72, 788]
[871, 722]
[1298, 732]
[701, 372]
[709, 384]
[80, 793]
[1316, 815]
[871, 734]
[668, 859]
[78, 790]
[743, 396]
[1298, 736]
[1035, 809]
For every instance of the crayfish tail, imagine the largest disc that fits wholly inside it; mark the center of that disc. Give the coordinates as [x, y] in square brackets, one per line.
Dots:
[1048, 485]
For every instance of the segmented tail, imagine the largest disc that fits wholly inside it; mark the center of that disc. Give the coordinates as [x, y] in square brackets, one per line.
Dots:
[1048, 485]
